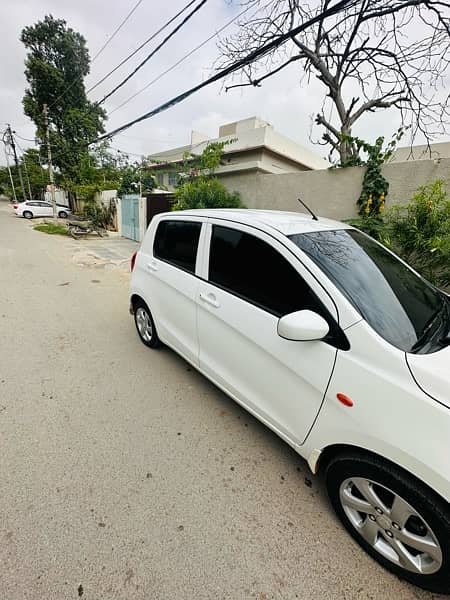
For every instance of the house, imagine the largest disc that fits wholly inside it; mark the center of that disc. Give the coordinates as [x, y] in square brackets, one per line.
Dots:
[255, 147]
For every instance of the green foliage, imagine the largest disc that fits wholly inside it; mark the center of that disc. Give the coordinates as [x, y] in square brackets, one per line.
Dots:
[38, 177]
[375, 186]
[199, 188]
[57, 63]
[205, 192]
[52, 228]
[99, 214]
[135, 179]
[419, 232]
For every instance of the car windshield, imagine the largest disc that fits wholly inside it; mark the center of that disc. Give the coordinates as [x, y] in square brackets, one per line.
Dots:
[402, 307]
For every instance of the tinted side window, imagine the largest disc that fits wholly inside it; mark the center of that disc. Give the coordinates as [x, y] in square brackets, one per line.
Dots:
[176, 242]
[253, 270]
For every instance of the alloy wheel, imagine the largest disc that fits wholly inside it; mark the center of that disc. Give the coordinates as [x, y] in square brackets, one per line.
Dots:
[144, 324]
[391, 525]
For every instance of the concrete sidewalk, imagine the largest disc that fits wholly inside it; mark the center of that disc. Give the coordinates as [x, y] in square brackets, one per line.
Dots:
[112, 250]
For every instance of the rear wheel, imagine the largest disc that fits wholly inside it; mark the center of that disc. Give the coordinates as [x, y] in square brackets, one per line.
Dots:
[145, 325]
[398, 520]
[27, 214]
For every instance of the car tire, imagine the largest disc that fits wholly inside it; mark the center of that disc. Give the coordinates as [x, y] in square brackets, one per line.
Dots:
[62, 214]
[145, 324]
[417, 547]
[27, 214]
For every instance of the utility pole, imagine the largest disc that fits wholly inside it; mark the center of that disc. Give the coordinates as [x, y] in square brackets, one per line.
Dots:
[16, 160]
[9, 169]
[50, 164]
[30, 195]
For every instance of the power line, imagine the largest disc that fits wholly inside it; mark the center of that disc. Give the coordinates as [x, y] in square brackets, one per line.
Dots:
[25, 168]
[141, 46]
[116, 31]
[78, 79]
[147, 58]
[180, 61]
[23, 138]
[250, 58]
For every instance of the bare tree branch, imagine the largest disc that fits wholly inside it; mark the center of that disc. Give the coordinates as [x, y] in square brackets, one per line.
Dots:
[372, 55]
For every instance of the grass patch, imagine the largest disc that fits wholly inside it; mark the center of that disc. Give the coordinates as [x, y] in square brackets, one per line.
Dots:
[52, 228]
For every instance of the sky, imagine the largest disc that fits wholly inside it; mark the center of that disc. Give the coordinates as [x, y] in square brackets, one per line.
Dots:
[282, 100]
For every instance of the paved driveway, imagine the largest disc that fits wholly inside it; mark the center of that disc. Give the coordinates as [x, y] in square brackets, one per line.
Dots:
[127, 475]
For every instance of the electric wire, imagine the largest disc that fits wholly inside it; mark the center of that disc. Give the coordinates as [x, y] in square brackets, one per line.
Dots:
[190, 53]
[250, 58]
[152, 37]
[149, 56]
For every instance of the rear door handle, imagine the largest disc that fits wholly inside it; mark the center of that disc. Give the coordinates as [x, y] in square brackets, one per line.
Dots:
[152, 266]
[209, 299]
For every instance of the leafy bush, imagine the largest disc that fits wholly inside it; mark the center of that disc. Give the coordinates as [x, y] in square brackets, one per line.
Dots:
[419, 232]
[99, 214]
[205, 192]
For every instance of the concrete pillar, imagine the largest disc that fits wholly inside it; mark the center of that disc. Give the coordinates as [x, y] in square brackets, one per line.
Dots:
[142, 218]
[119, 215]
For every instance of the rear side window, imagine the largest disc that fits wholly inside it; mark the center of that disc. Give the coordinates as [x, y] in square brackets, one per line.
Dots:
[176, 242]
[252, 269]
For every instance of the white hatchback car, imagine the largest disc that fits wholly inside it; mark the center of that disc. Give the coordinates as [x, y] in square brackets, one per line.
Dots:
[335, 344]
[39, 208]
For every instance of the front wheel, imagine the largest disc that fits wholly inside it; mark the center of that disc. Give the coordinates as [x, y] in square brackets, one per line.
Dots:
[396, 518]
[62, 214]
[76, 233]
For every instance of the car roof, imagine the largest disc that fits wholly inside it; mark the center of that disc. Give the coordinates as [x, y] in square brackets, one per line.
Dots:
[285, 222]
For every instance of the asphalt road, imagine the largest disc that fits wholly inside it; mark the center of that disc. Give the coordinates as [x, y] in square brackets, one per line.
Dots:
[126, 475]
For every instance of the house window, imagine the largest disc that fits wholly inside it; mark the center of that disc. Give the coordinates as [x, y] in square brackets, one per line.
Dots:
[173, 179]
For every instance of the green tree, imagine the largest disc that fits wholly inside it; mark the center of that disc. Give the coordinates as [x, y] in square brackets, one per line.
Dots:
[34, 172]
[135, 178]
[198, 187]
[57, 63]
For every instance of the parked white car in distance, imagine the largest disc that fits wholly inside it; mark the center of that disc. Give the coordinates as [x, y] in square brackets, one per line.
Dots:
[39, 208]
[334, 343]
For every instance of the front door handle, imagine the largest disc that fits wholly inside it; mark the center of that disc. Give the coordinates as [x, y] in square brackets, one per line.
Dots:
[152, 266]
[209, 299]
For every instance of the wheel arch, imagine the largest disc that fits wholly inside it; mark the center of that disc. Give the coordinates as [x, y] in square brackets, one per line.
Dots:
[135, 298]
[332, 451]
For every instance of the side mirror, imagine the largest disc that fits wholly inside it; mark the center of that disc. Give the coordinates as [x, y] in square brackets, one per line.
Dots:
[303, 326]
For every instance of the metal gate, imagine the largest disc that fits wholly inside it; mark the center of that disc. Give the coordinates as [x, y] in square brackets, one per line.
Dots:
[130, 216]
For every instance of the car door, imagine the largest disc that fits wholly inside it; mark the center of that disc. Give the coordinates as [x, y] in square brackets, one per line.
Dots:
[251, 281]
[45, 209]
[169, 260]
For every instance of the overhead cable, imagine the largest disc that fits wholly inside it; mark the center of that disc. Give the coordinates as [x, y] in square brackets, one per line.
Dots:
[149, 56]
[190, 53]
[250, 58]
[116, 31]
[141, 46]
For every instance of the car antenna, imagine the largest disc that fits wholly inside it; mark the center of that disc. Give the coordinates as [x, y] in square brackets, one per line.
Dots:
[315, 218]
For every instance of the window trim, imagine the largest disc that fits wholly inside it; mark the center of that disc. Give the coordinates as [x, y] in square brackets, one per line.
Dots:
[336, 337]
[198, 251]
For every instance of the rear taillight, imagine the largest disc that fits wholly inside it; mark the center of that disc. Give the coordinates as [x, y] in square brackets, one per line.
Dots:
[15, 206]
[133, 261]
